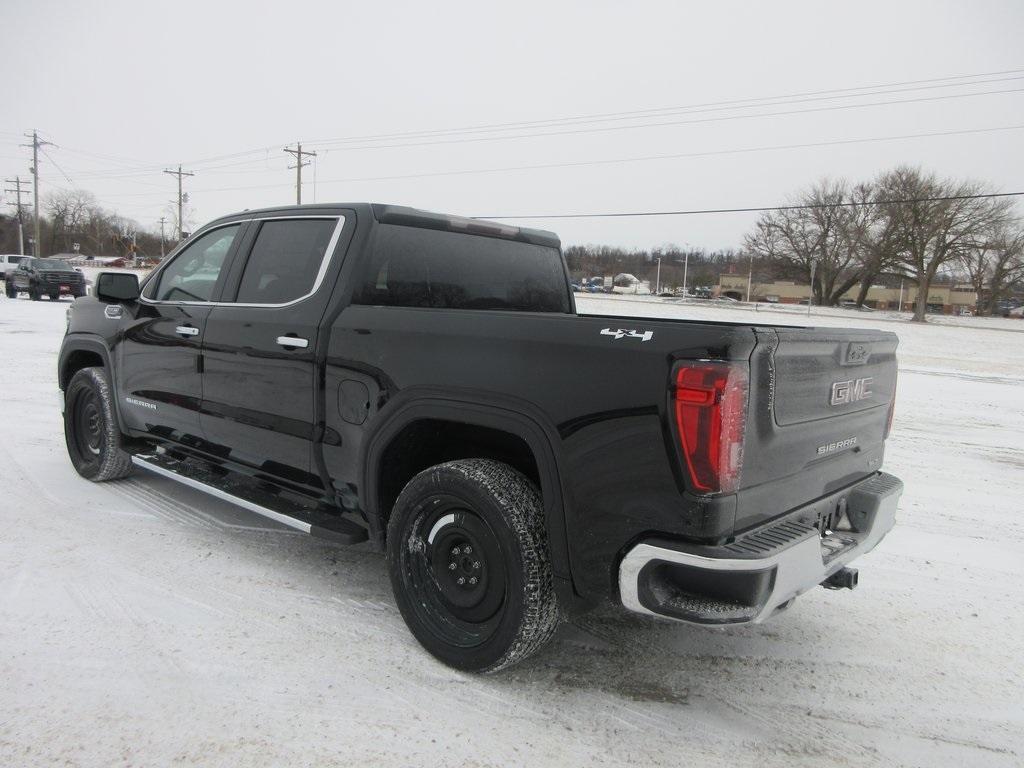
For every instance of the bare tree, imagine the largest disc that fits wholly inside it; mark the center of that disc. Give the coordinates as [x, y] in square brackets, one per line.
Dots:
[995, 264]
[822, 237]
[934, 221]
[875, 237]
[68, 210]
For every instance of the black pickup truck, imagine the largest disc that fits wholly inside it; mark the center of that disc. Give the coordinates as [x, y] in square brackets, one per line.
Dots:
[52, 278]
[372, 372]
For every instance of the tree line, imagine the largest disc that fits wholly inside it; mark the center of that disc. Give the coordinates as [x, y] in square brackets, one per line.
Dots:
[905, 223]
[835, 235]
[75, 216]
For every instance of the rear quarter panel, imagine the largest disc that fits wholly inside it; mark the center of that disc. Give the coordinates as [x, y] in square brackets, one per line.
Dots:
[603, 398]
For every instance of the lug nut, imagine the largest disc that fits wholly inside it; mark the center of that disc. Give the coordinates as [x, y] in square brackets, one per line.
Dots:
[455, 551]
[472, 579]
[476, 564]
[451, 566]
[461, 580]
[469, 550]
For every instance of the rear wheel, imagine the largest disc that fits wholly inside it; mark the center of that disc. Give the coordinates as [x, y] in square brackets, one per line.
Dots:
[33, 293]
[469, 564]
[90, 428]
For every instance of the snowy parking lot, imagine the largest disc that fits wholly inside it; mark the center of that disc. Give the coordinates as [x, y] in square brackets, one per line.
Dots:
[143, 623]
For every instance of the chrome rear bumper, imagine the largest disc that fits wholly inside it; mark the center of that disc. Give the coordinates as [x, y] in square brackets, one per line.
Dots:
[750, 579]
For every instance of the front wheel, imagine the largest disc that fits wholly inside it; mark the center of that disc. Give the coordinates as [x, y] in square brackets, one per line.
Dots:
[34, 294]
[469, 564]
[90, 428]
[10, 289]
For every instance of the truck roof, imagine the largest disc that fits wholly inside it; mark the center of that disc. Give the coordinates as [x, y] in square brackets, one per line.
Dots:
[414, 217]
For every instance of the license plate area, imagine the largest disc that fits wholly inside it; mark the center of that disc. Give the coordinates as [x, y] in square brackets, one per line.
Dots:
[835, 530]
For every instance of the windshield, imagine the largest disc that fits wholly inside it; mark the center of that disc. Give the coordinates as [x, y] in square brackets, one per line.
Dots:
[52, 264]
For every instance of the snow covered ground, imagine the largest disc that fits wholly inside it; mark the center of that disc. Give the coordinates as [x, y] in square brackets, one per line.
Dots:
[144, 624]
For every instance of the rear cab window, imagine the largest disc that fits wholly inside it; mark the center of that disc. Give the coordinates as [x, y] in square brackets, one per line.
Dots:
[420, 267]
[287, 258]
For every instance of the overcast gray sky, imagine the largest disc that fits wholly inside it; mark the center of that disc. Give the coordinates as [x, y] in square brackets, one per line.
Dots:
[126, 89]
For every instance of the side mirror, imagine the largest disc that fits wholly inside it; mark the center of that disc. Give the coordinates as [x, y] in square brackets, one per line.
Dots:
[117, 287]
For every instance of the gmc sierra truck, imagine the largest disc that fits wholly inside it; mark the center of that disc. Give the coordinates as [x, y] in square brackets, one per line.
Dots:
[424, 382]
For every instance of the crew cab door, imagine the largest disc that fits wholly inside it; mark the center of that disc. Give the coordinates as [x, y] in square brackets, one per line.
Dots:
[159, 365]
[259, 377]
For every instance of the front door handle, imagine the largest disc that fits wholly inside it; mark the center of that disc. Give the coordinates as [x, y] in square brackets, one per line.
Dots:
[293, 341]
[187, 330]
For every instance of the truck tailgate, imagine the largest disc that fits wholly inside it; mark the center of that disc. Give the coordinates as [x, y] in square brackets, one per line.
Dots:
[818, 413]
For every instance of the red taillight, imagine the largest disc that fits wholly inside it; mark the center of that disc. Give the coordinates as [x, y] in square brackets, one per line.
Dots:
[711, 411]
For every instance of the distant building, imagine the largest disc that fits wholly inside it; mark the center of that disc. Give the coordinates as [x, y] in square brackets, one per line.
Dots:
[944, 299]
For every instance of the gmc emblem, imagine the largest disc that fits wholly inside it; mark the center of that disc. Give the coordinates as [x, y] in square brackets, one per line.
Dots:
[844, 392]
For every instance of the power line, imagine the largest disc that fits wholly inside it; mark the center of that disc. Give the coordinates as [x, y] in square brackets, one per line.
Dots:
[851, 204]
[62, 173]
[676, 156]
[746, 103]
[669, 123]
[621, 160]
[661, 112]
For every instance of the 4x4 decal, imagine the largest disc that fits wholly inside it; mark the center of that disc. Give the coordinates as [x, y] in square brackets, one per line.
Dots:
[620, 333]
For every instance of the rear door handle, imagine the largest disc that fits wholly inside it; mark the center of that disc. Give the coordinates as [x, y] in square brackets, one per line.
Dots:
[293, 341]
[187, 330]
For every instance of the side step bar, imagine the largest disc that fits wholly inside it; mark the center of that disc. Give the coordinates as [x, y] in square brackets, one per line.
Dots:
[232, 488]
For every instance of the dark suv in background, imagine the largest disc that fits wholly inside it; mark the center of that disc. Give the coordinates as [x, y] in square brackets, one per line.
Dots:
[44, 277]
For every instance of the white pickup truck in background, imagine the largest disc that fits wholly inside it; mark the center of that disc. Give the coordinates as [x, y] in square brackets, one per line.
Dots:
[9, 262]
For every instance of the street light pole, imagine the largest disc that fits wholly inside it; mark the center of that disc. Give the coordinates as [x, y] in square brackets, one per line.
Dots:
[686, 268]
[657, 285]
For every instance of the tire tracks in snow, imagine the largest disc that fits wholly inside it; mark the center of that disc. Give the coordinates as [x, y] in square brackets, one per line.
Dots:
[645, 641]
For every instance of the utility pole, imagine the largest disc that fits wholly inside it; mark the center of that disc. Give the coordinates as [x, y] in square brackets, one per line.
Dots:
[16, 181]
[163, 220]
[810, 299]
[181, 198]
[686, 268]
[657, 287]
[298, 153]
[36, 144]
[750, 276]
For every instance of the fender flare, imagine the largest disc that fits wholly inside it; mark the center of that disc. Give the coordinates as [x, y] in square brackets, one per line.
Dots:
[511, 415]
[87, 343]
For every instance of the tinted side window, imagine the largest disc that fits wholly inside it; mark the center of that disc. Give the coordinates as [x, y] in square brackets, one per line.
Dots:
[194, 272]
[415, 267]
[285, 260]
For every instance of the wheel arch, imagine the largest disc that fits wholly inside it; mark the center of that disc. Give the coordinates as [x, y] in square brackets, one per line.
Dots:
[518, 421]
[78, 352]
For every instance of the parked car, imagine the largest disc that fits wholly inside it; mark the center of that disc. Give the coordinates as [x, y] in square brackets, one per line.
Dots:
[424, 381]
[1005, 307]
[52, 278]
[9, 262]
